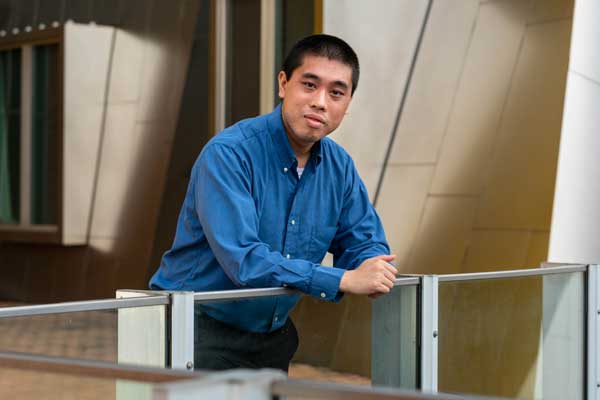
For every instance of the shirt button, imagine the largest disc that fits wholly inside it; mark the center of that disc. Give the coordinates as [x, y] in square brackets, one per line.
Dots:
[287, 256]
[293, 222]
[285, 170]
[276, 318]
[323, 294]
[285, 285]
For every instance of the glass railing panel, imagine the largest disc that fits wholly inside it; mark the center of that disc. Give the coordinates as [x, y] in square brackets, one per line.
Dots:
[86, 335]
[133, 335]
[394, 344]
[519, 337]
[335, 340]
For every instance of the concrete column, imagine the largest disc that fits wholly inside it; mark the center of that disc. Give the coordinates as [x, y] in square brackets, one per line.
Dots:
[575, 232]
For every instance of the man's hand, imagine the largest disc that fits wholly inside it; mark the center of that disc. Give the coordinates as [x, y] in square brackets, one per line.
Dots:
[375, 276]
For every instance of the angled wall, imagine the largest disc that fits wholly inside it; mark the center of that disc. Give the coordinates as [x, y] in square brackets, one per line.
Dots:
[469, 182]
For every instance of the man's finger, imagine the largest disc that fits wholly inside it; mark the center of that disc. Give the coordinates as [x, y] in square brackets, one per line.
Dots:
[385, 257]
[389, 283]
[389, 275]
[389, 267]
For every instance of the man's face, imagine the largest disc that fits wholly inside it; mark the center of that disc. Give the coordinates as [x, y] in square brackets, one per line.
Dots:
[315, 99]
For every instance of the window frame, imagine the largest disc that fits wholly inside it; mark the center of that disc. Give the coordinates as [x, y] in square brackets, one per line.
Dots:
[24, 231]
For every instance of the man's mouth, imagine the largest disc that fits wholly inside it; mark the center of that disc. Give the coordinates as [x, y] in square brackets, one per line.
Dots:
[314, 121]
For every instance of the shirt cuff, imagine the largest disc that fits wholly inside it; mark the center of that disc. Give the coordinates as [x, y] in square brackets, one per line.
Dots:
[325, 284]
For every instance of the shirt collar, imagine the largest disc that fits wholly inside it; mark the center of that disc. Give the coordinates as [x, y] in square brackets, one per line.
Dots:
[284, 150]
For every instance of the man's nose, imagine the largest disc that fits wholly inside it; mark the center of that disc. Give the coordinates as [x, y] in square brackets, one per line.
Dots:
[319, 99]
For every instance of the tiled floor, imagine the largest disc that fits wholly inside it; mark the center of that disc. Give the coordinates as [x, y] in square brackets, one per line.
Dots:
[90, 336]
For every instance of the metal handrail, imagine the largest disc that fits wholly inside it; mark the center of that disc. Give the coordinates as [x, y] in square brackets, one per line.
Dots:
[512, 273]
[88, 305]
[245, 294]
[155, 299]
[95, 369]
[335, 391]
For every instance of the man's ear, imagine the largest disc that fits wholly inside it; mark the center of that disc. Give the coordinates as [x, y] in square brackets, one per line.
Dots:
[282, 80]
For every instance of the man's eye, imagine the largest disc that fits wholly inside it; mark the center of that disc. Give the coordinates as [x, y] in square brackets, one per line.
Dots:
[337, 93]
[309, 85]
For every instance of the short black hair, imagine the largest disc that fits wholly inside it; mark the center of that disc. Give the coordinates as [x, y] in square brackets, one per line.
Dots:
[322, 45]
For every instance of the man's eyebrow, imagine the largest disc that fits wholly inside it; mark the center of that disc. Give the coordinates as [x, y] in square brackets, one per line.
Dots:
[310, 75]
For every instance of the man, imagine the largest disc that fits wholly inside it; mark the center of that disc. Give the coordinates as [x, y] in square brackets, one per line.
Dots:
[267, 198]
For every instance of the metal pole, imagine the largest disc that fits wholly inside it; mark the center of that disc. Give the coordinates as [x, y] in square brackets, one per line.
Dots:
[593, 329]
[182, 330]
[429, 333]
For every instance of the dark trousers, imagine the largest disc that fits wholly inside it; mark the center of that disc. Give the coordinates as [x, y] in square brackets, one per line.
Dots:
[218, 346]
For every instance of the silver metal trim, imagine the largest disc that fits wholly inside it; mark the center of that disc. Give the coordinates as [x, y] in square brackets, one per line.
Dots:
[429, 333]
[94, 369]
[334, 391]
[243, 294]
[512, 274]
[593, 328]
[412, 281]
[26, 133]
[77, 306]
[182, 330]
[220, 63]
[239, 294]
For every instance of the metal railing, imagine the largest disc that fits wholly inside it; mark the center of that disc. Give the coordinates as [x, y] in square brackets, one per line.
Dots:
[78, 306]
[173, 384]
[179, 318]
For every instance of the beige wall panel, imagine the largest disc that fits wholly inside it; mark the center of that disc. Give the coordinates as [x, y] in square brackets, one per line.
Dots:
[497, 250]
[87, 50]
[549, 10]
[120, 147]
[520, 187]
[436, 76]
[400, 207]
[443, 235]
[538, 249]
[480, 97]
[384, 38]
[125, 71]
[81, 157]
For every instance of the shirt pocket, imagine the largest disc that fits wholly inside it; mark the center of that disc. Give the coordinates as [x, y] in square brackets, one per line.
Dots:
[320, 241]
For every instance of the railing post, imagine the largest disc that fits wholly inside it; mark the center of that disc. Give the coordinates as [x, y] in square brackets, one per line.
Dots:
[182, 330]
[429, 333]
[593, 330]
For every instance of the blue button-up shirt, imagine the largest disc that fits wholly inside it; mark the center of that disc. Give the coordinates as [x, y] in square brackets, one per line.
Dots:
[248, 221]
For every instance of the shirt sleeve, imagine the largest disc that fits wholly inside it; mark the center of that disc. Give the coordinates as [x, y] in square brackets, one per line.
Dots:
[229, 219]
[360, 234]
